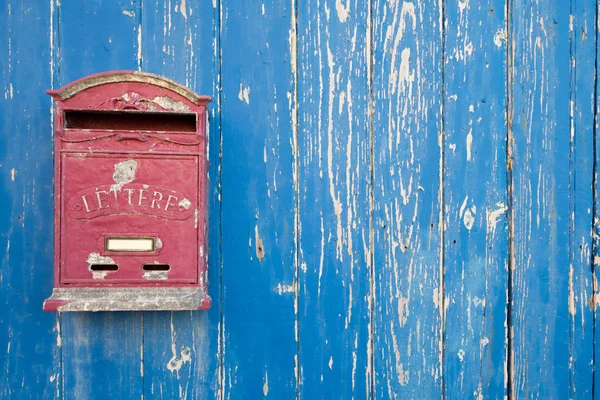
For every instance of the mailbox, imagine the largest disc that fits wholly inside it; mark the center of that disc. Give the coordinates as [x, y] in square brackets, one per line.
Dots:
[130, 195]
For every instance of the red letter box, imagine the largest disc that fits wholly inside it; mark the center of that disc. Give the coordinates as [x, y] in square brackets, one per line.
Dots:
[130, 195]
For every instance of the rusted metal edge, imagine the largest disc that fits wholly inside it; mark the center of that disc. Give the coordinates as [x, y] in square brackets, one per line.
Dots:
[127, 76]
[127, 299]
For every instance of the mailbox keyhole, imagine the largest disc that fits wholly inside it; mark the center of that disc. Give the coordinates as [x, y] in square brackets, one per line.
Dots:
[156, 267]
[104, 267]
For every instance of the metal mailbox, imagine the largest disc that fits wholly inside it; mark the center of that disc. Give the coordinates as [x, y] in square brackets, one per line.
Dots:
[130, 195]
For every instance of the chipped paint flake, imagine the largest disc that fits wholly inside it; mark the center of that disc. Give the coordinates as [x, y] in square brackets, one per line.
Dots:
[283, 288]
[469, 144]
[468, 213]
[97, 259]
[244, 93]
[469, 217]
[260, 250]
[99, 274]
[169, 104]
[266, 384]
[342, 11]
[493, 216]
[175, 363]
[572, 309]
[124, 173]
[500, 37]
[185, 203]
[183, 9]
[58, 334]
[156, 275]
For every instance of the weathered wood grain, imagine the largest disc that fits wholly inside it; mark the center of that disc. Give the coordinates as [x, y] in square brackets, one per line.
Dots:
[102, 353]
[334, 174]
[407, 249]
[540, 142]
[181, 358]
[259, 305]
[29, 345]
[583, 72]
[475, 200]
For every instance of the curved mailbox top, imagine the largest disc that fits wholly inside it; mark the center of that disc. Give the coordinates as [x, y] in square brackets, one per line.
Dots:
[104, 78]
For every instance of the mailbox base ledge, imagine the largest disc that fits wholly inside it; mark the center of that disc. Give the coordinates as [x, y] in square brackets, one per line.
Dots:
[127, 299]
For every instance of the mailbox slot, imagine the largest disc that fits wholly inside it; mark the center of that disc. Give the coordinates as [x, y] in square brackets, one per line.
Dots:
[130, 121]
[104, 267]
[156, 267]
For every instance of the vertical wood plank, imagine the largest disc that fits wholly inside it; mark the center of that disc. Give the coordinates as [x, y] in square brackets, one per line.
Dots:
[102, 352]
[30, 350]
[539, 110]
[334, 175]
[583, 71]
[181, 358]
[258, 199]
[475, 200]
[407, 250]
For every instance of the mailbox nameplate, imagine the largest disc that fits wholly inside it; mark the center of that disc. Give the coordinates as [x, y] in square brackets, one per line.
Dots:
[129, 244]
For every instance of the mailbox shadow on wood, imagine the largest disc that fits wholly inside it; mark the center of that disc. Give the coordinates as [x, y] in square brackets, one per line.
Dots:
[130, 195]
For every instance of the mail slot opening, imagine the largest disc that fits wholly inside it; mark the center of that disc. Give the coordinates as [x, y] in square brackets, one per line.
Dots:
[130, 121]
[104, 267]
[156, 267]
[129, 244]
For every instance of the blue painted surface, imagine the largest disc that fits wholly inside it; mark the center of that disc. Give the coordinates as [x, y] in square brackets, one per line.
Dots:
[29, 355]
[581, 287]
[475, 200]
[259, 270]
[407, 189]
[334, 183]
[541, 217]
[402, 202]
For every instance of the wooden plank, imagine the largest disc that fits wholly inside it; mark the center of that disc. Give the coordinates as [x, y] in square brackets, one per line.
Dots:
[539, 116]
[259, 199]
[334, 175]
[102, 353]
[30, 348]
[407, 192]
[583, 71]
[475, 200]
[181, 358]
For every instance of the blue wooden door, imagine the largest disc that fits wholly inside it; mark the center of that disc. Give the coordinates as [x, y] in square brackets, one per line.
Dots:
[403, 200]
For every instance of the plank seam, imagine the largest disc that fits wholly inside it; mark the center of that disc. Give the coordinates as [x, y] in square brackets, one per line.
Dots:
[296, 165]
[572, 179]
[595, 202]
[509, 198]
[55, 82]
[221, 339]
[441, 227]
[371, 112]
[140, 55]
